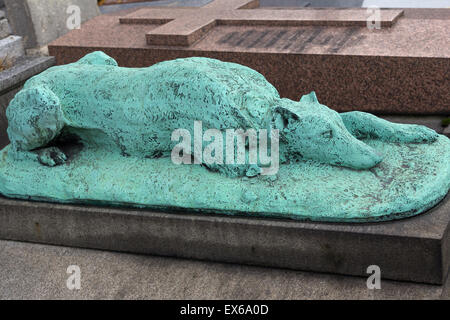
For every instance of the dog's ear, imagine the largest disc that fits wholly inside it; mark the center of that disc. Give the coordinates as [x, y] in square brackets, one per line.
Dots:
[309, 98]
[98, 58]
[281, 116]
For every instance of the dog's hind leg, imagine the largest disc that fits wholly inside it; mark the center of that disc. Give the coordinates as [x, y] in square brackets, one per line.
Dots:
[35, 118]
[365, 125]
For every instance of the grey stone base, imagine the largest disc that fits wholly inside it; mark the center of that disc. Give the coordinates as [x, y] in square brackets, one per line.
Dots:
[415, 249]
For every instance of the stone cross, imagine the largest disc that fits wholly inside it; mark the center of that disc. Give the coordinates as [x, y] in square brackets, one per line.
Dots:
[184, 26]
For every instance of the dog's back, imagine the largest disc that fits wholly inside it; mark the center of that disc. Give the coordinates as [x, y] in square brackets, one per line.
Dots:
[139, 108]
[224, 93]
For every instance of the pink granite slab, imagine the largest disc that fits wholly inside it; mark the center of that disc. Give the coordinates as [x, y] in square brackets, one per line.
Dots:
[185, 26]
[399, 69]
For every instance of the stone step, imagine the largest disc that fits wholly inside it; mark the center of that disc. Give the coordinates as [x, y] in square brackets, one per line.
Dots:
[11, 48]
[415, 249]
[350, 68]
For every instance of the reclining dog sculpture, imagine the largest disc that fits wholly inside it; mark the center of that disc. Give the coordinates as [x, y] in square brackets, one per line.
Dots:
[134, 112]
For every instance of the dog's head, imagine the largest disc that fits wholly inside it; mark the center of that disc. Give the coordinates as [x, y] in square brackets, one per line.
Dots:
[314, 131]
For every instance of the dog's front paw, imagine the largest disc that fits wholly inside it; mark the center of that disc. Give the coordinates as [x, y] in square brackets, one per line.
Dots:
[51, 157]
[411, 133]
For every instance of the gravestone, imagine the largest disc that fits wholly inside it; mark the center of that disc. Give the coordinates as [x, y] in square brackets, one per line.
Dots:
[40, 22]
[415, 169]
[299, 50]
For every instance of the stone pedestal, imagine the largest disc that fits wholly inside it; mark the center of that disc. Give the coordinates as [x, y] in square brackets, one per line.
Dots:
[415, 249]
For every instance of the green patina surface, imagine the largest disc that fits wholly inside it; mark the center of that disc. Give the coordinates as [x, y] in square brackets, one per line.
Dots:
[92, 132]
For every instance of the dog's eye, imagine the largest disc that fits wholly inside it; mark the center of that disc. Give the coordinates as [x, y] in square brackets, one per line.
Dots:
[327, 134]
